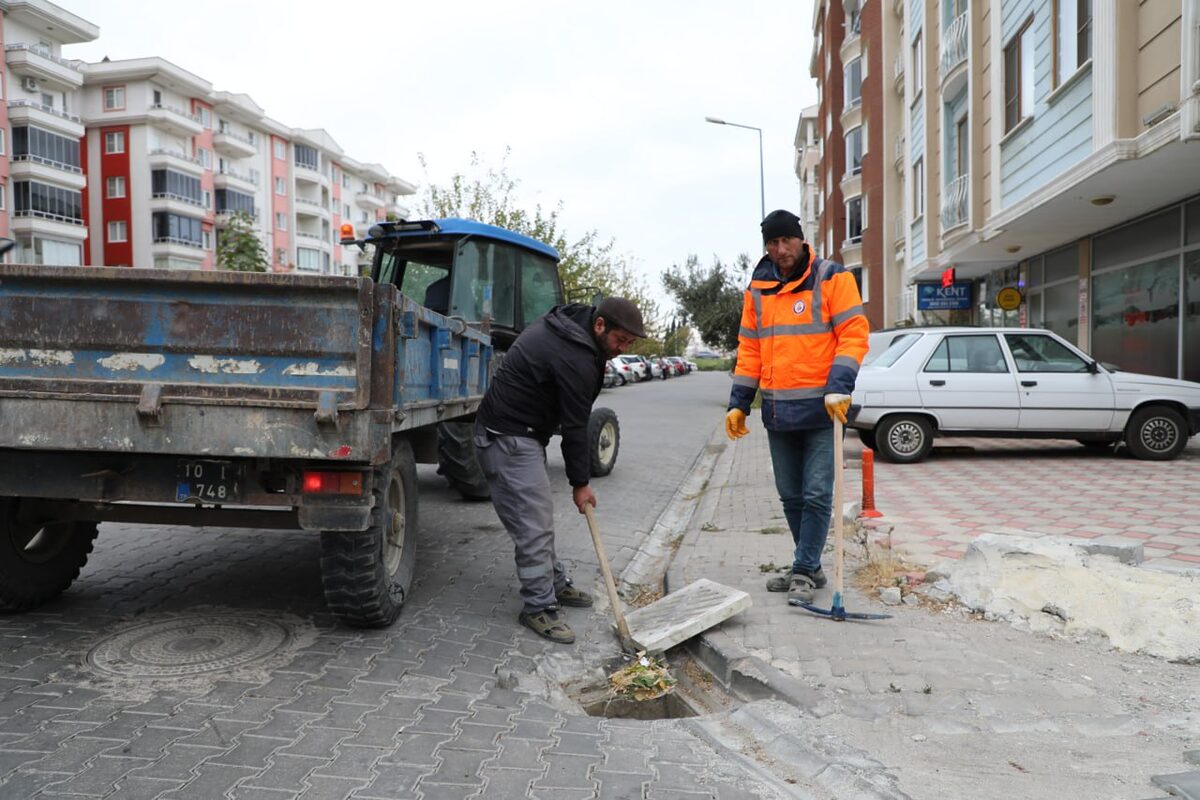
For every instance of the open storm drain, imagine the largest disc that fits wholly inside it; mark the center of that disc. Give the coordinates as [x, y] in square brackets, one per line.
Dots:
[185, 646]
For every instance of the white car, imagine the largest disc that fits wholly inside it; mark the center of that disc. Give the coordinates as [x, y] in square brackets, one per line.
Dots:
[625, 372]
[918, 383]
[636, 364]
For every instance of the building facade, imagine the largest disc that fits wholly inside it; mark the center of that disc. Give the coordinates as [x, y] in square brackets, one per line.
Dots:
[1052, 147]
[142, 163]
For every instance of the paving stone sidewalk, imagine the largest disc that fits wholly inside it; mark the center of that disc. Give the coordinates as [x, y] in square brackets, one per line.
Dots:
[950, 706]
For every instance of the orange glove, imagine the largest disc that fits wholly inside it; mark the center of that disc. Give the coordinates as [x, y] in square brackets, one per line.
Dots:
[735, 423]
[836, 406]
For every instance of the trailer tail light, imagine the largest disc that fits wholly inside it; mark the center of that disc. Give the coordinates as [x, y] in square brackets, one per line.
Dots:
[329, 482]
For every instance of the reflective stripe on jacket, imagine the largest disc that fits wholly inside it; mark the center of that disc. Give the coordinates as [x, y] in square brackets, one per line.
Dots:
[800, 339]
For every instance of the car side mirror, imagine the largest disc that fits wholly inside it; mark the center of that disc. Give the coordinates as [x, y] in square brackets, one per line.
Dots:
[1093, 367]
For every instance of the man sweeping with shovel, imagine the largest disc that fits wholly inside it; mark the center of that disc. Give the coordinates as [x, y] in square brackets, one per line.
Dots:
[803, 337]
[548, 380]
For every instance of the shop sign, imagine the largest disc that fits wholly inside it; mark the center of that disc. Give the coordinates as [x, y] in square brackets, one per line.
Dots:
[1009, 298]
[935, 297]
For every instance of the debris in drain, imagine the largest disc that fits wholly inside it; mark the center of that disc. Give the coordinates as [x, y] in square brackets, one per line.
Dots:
[646, 678]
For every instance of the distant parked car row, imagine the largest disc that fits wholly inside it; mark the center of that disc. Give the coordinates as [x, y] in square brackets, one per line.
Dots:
[634, 369]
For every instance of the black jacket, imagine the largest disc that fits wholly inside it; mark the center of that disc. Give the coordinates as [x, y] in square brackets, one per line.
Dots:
[548, 380]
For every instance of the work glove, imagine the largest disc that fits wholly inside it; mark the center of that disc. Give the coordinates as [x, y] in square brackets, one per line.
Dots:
[735, 423]
[836, 406]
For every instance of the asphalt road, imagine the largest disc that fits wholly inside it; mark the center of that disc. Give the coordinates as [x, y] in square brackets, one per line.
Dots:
[450, 701]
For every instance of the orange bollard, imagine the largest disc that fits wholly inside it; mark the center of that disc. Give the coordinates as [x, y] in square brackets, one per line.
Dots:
[868, 485]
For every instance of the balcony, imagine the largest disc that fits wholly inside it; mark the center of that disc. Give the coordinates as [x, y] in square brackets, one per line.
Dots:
[230, 178]
[172, 247]
[369, 200]
[53, 226]
[953, 49]
[174, 121]
[901, 233]
[307, 174]
[224, 215]
[30, 62]
[898, 73]
[29, 167]
[177, 160]
[176, 204]
[311, 208]
[230, 144]
[24, 112]
[955, 198]
[900, 149]
[306, 239]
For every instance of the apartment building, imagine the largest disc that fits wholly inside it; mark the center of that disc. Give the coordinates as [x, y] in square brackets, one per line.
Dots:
[1053, 147]
[41, 168]
[808, 172]
[142, 163]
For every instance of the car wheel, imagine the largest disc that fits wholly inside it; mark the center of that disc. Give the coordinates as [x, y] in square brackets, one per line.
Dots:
[904, 439]
[620, 379]
[604, 440]
[1156, 433]
[867, 438]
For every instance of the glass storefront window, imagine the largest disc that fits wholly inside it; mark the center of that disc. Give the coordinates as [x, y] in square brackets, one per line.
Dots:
[1154, 234]
[1063, 264]
[1191, 315]
[1135, 314]
[1193, 222]
[1060, 310]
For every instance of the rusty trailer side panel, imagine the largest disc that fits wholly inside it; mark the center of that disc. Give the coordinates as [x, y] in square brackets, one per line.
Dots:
[224, 363]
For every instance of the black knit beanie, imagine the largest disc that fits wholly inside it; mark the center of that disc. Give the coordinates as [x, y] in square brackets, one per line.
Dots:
[781, 223]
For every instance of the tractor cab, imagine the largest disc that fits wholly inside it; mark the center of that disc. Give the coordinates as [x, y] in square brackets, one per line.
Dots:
[482, 274]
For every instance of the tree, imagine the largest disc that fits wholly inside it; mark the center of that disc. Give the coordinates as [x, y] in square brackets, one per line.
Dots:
[238, 246]
[587, 263]
[710, 299]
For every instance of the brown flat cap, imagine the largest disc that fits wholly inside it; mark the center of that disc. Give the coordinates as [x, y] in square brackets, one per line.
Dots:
[621, 313]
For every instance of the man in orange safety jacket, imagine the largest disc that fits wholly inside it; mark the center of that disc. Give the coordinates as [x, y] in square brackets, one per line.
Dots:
[803, 337]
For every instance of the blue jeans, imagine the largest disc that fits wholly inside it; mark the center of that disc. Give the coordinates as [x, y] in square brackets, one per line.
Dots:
[803, 464]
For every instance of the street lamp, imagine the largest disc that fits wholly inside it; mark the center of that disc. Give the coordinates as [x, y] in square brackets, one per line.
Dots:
[762, 197]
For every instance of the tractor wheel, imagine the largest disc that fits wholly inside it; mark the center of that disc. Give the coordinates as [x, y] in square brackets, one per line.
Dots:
[458, 463]
[39, 559]
[604, 440]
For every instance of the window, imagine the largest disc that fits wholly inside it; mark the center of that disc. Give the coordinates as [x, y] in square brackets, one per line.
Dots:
[974, 353]
[157, 98]
[918, 65]
[114, 142]
[43, 147]
[855, 220]
[33, 199]
[206, 239]
[962, 151]
[853, 22]
[117, 231]
[176, 186]
[280, 186]
[2, 142]
[208, 199]
[280, 221]
[346, 212]
[114, 186]
[176, 229]
[918, 181]
[280, 255]
[853, 83]
[222, 126]
[1034, 352]
[205, 116]
[854, 151]
[1018, 77]
[114, 98]
[1071, 38]
[3, 193]
[306, 156]
[862, 279]
[280, 149]
[204, 156]
[308, 259]
[235, 202]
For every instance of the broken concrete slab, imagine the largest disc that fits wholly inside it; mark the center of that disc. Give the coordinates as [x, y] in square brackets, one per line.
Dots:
[683, 614]
[1053, 585]
[1181, 784]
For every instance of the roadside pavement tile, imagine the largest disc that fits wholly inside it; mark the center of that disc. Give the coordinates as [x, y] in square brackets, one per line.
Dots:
[248, 709]
[341, 717]
[250, 751]
[321, 788]
[422, 686]
[447, 791]
[150, 743]
[622, 785]
[336, 679]
[244, 792]
[176, 765]
[473, 736]
[1183, 784]
[394, 782]
[99, 777]
[508, 783]
[1191, 559]
[435, 721]
[316, 743]
[450, 701]
[676, 751]
[366, 693]
[351, 762]
[50, 738]
[27, 783]
[283, 725]
[282, 685]
[211, 781]
[398, 708]
[285, 773]
[312, 700]
[219, 735]
[73, 753]
[375, 732]
[562, 794]
[519, 753]
[459, 766]
[567, 772]
[489, 715]
[28, 720]
[416, 748]
[579, 744]
[131, 788]
[657, 793]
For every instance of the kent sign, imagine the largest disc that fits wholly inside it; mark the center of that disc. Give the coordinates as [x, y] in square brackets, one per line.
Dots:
[935, 297]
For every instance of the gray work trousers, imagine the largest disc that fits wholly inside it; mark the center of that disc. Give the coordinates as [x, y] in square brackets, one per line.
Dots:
[515, 468]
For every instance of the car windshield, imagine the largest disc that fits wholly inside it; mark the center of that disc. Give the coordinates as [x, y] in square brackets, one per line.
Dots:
[890, 354]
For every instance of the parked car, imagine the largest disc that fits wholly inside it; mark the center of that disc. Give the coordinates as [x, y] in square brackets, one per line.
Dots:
[691, 365]
[624, 372]
[637, 365]
[918, 383]
[611, 376]
[678, 364]
[654, 367]
[664, 367]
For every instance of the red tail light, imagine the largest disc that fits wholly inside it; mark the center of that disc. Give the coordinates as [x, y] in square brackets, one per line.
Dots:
[330, 482]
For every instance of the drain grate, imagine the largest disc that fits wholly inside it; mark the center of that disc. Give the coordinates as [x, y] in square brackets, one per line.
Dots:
[186, 646]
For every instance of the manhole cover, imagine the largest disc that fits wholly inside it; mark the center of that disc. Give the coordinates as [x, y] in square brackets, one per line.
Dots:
[186, 646]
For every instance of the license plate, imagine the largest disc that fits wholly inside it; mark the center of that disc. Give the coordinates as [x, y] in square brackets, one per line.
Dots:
[209, 481]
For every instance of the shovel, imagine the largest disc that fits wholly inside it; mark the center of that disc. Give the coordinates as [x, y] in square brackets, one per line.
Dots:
[672, 619]
[837, 612]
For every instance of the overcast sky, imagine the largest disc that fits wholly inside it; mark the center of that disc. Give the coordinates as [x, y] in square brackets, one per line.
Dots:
[602, 105]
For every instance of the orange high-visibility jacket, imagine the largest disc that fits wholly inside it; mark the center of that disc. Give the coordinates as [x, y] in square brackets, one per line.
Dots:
[799, 340]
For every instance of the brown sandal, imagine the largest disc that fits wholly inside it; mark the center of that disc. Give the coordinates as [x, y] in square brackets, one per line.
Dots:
[548, 624]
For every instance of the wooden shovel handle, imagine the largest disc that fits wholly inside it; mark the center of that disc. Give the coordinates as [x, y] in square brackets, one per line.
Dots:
[609, 584]
[837, 506]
